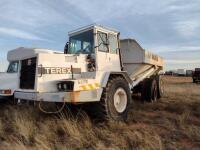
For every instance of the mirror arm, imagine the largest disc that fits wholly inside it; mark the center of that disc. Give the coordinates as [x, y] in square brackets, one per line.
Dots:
[66, 48]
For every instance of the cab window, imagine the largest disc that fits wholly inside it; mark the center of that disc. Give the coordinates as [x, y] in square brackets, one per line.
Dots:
[13, 67]
[82, 43]
[102, 41]
[113, 42]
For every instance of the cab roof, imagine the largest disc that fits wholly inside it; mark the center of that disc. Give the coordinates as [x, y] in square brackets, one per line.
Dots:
[93, 26]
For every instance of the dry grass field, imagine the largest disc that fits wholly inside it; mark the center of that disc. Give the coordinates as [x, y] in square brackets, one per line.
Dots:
[171, 123]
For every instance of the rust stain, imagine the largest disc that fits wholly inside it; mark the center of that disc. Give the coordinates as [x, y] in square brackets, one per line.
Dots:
[75, 96]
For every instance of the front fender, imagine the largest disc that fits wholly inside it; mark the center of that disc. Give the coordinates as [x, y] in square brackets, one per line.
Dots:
[108, 74]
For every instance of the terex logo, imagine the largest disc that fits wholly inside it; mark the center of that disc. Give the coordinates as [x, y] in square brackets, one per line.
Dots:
[58, 70]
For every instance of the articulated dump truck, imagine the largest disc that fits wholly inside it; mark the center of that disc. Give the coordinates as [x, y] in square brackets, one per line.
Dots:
[96, 67]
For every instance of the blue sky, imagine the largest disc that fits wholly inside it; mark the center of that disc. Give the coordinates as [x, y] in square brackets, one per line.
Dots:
[170, 28]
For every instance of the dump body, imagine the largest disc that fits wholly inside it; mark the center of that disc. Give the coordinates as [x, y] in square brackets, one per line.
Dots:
[137, 61]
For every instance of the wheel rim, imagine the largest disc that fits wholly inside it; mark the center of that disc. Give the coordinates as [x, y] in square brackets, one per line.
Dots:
[120, 100]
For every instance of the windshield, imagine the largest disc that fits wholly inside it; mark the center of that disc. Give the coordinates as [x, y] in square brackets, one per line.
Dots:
[82, 43]
[13, 67]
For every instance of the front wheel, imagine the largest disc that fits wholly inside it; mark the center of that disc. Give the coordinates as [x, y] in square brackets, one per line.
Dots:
[116, 99]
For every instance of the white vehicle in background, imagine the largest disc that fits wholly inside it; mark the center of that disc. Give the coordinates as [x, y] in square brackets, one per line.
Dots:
[97, 68]
[9, 80]
[181, 72]
[189, 73]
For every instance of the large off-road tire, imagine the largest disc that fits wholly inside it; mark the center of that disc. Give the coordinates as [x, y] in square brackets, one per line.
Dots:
[160, 86]
[150, 90]
[116, 99]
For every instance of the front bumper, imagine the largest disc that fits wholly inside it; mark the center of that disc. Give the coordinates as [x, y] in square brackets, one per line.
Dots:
[68, 97]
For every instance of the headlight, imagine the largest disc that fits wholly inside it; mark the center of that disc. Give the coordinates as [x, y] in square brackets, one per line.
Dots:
[7, 91]
[65, 86]
[59, 86]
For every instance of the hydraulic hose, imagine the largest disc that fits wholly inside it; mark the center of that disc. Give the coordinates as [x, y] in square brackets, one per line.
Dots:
[51, 112]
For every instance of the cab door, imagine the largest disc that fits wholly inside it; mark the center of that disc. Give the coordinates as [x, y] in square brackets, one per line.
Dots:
[114, 60]
[107, 52]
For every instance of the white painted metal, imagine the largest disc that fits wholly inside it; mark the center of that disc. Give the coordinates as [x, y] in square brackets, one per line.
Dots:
[181, 72]
[120, 100]
[9, 81]
[106, 60]
[133, 53]
[90, 27]
[48, 82]
[146, 74]
[68, 97]
[137, 61]
[25, 53]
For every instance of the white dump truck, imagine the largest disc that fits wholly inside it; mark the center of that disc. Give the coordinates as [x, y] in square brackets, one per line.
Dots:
[96, 68]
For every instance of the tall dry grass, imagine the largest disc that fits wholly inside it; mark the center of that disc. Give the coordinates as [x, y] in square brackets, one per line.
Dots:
[172, 123]
[33, 130]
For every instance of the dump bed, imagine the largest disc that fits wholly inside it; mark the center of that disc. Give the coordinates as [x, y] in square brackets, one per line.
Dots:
[136, 60]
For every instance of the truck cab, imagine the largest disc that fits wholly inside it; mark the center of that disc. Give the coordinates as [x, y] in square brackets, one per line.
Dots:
[100, 43]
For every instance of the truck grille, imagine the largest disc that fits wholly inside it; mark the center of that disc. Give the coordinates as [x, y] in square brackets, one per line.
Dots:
[28, 71]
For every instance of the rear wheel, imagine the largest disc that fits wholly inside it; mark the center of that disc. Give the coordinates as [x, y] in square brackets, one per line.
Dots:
[160, 86]
[150, 90]
[116, 99]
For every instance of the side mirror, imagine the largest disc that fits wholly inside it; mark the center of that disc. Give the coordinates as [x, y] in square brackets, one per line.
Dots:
[66, 48]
